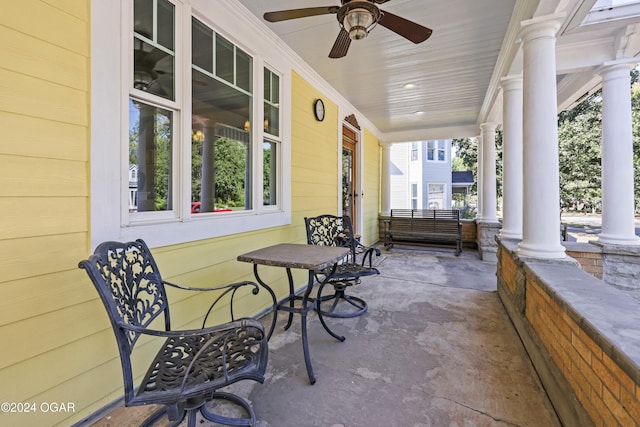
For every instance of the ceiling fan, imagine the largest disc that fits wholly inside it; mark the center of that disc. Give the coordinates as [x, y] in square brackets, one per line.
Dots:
[149, 64]
[356, 18]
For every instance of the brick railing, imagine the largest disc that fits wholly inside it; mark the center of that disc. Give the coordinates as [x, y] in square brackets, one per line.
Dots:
[581, 335]
[589, 257]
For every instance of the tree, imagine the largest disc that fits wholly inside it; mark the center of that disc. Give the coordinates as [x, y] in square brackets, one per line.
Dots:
[580, 155]
[467, 150]
[579, 132]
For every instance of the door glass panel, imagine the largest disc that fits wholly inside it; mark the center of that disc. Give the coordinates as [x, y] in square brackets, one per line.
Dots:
[347, 182]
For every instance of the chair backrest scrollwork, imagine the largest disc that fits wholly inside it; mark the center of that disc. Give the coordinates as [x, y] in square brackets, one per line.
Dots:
[331, 230]
[130, 286]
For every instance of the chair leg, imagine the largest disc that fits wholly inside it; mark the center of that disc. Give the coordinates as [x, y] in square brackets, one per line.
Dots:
[339, 296]
[230, 421]
[157, 415]
[190, 411]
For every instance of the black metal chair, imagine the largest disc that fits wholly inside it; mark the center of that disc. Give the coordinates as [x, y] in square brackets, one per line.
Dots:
[331, 230]
[191, 365]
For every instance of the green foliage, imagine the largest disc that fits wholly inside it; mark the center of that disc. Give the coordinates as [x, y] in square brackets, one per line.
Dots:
[579, 135]
[457, 165]
[230, 170]
[467, 151]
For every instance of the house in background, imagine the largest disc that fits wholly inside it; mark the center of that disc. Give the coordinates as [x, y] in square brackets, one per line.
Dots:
[461, 183]
[421, 175]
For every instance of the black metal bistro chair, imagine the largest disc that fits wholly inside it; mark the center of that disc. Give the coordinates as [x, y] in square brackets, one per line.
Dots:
[191, 365]
[331, 230]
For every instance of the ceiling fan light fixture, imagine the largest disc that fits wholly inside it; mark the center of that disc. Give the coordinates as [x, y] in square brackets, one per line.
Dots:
[358, 18]
[357, 23]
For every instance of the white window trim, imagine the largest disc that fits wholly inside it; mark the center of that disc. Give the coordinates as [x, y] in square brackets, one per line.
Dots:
[109, 93]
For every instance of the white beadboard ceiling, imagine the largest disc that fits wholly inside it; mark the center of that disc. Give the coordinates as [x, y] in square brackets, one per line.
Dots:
[451, 71]
[457, 71]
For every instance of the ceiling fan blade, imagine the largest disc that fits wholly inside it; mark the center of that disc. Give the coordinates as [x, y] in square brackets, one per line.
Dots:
[341, 45]
[407, 29]
[283, 15]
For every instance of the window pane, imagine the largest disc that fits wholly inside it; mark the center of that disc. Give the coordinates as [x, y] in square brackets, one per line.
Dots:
[143, 18]
[221, 146]
[436, 196]
[224, 59]
[275, 89]
[150, 157]
[202, 46]
[152, 70]
[269, 150]
[271, 106]
[441, 155]
[165, 24]
[271, 119]
[267, 85]
[153, 61]
[243, 70]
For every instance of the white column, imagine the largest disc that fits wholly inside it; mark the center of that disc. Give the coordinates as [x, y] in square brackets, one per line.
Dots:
[386, 180]
[541, 175]
[489, 200]
[479, 175]
[511, 157]
[618, 225]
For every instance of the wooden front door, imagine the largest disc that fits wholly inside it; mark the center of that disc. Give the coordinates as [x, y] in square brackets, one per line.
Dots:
[349, 174]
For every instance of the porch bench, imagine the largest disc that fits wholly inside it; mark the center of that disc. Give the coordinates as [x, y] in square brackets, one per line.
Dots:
[423, 227]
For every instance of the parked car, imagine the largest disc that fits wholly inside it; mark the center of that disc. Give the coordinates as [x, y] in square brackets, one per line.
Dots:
[195, 208]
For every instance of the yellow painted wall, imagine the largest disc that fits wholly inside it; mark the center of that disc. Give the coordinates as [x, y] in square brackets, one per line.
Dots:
[62, 348]
[371, 188]
[314, 155]
[45, 305]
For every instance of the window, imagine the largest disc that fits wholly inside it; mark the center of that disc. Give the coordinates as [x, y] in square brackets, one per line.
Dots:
[414, 196]
[193, 162]
[414, 151]
[152, 110]
[436, 196]
[436, 151]
[271, 127]
[222, 100]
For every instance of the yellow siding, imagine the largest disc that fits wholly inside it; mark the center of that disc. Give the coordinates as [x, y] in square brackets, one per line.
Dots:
[62, 23]
[47, 309]
[36, 137]
[32, 57]
[314, 155]
[371, 186]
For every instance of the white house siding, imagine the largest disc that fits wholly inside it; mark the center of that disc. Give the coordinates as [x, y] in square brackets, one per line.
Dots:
[400, 155]
[422, 172]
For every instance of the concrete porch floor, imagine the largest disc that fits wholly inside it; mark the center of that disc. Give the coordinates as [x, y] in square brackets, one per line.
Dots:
[435, 348]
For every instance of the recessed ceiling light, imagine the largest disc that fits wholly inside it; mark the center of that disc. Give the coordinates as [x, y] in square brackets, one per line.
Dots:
[409, 86]
[419, 113]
